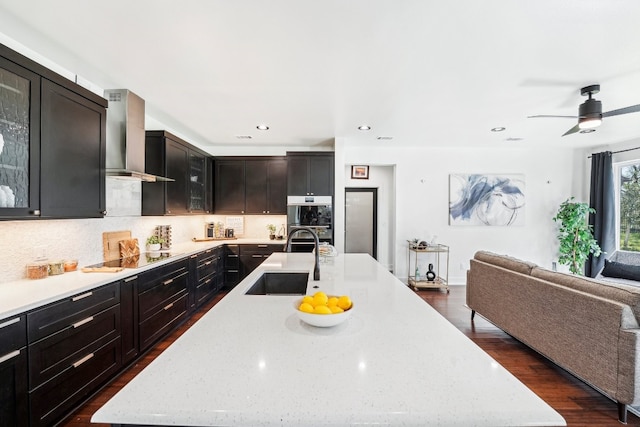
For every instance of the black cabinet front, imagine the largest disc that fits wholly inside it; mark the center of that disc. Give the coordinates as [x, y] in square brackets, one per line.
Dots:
[310, 174]
[13, 372]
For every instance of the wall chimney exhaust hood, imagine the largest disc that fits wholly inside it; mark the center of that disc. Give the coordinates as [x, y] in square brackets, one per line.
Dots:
[125, 137]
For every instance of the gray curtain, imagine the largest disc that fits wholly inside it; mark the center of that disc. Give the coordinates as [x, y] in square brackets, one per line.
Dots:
[603, 201]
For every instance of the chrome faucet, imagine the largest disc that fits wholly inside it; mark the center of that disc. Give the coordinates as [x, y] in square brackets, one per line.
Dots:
[316, 242]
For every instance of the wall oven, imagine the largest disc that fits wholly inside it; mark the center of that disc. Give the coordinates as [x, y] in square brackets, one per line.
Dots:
[310, 211]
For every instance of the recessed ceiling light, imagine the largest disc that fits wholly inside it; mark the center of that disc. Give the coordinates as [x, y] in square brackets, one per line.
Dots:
[385, 138]
[587, 130]
[262, 127]
[244, 136]
[364, 127]
[498, 129]
[514, 139]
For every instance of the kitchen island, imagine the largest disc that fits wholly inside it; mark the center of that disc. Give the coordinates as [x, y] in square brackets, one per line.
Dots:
[250, 361]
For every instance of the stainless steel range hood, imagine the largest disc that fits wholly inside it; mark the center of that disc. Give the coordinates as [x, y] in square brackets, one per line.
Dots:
[125, 136]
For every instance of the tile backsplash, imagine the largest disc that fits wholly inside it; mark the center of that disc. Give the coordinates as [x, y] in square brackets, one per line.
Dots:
[22, 242]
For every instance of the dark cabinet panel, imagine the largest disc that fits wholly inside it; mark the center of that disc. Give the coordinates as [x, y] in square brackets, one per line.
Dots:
[13, 372]
[252, 255]
[73, 154]
[277, 187]
[129, 318]
[310, 174]
[190, 192]
[20, 130]
[229, 187]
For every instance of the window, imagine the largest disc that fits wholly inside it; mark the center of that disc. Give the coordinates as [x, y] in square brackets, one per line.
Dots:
[628, 177]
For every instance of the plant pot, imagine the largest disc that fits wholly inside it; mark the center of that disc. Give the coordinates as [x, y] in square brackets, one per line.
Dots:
[272, 236]
[153, 247]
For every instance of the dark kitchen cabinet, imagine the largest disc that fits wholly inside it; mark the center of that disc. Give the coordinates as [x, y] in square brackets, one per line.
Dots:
[13, 372]
[73, 154]
[310, 174]
[129, 318]
[252, 255]
[255, 185]
[20, 130]
[229, 191]
[52, 155]
[266, 186]
[162, 301]
[205, 285]
[74, 347]
[231, 266]
[169, 156]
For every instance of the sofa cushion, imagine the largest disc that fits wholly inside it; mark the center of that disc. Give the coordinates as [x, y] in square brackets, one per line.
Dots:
[505, 261]
[625, 294]
[621, 270]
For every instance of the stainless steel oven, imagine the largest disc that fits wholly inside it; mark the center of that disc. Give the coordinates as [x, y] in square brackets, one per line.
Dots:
[314, 212]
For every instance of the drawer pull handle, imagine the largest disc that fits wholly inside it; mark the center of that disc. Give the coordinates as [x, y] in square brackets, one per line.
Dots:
[208, 263]
[82, 322]
[256, 256]
[262, 246]
[168, 306]
[167, 282]
[9, 322]
[81, 361]
[193, 256]
[129, 279]
[207, 281]
[9, 356]
[83, 296]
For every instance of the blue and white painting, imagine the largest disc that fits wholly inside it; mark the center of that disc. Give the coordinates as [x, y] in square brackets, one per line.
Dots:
[493, 200]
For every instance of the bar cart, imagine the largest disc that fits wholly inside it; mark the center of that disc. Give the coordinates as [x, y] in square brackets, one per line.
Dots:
[436, 257]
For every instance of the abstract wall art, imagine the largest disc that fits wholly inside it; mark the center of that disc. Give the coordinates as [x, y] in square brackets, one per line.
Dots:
[486, 199]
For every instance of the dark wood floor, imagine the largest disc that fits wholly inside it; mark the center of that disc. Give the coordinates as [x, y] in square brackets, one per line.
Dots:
[578, 403]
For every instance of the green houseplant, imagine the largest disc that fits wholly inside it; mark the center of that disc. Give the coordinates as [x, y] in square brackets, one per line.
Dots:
[154, 242]
[575, 235]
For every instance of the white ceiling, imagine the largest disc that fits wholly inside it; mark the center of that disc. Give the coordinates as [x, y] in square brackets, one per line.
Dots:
[425, 72]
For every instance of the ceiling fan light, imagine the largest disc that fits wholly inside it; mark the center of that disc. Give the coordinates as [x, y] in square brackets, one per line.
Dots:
[589, 122]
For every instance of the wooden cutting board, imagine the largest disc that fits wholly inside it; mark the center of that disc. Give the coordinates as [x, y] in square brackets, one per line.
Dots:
[111, 243]
[129, 248]
[101, 269]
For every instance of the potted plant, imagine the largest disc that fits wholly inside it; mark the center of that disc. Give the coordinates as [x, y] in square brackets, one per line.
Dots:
[154, 242]
[575, 235]
[272, 231]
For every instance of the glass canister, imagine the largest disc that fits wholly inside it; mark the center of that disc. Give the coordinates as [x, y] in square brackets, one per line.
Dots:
[37, 270]
[56, 267]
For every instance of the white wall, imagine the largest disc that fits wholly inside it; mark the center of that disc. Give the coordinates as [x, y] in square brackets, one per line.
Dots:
[422, 199]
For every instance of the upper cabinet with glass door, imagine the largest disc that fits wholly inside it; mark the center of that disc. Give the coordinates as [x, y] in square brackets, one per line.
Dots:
[19, 140]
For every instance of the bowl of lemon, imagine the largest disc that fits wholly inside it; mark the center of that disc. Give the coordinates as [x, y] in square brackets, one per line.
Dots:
[322, 310]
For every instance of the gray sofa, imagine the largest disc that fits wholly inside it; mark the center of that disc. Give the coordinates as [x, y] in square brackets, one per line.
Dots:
[586, 326]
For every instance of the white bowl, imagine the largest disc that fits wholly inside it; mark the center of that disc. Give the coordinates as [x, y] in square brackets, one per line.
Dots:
[322, 320]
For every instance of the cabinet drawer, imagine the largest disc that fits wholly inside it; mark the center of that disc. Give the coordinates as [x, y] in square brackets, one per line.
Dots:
[206, 255]
[162, 321]
[54, 399]
[55, 353]
[158, 296]
[14, 405]
[205, 288]
[262, 249]
[206, 268]
[152, 278]
[13, 334]
[61, 314]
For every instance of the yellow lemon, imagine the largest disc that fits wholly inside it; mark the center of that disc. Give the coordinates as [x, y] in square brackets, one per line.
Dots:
[306, 307]
[322, 309]
[335, 309]
[308, 299]
[332, 302]
[320, 298]
[344, 302]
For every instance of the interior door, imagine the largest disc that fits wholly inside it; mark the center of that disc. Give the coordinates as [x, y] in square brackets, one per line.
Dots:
[361, 222]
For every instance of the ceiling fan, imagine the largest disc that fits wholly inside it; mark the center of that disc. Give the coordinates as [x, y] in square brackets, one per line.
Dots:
[590, 113]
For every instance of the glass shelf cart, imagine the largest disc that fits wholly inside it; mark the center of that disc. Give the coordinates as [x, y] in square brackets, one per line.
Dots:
[428, 266]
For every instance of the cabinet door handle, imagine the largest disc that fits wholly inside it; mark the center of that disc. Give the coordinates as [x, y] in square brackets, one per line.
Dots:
[232, 256]
[168, 306]
[36, 212]
[256, 256]
[81, 361]
[82, 322]
[167, 282]
[9, 322]
[9, 356]
[262, 246]
[130, 279]
[83, 296]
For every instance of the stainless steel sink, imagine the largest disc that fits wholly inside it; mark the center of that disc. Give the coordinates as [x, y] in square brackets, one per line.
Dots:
[280, 284]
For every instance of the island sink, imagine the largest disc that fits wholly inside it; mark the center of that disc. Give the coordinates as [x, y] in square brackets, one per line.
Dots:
[280, 284]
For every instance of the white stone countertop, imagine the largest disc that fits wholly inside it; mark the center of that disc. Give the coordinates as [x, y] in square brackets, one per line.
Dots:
[250, 361]
[22, 295]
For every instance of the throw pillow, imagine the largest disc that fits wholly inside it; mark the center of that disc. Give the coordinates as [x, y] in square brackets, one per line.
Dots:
[620, 270]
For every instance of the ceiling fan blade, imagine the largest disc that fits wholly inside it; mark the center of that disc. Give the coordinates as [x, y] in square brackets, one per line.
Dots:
[625, 110]
[574, 129]
[546, 116]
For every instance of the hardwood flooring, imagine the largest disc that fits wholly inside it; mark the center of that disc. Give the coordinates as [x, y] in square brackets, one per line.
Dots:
[578, 403]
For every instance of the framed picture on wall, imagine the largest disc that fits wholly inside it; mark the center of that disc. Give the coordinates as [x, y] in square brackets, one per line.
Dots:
[359, 172]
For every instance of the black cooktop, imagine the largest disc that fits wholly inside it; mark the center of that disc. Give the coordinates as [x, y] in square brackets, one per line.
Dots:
[136, 261]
